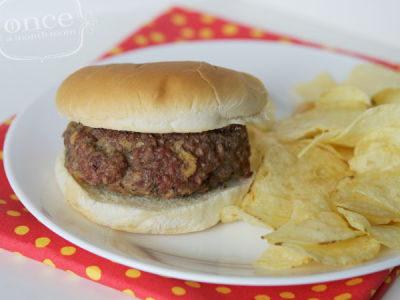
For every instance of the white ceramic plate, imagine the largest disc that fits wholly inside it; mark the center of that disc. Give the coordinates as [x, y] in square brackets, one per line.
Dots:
[222, 254]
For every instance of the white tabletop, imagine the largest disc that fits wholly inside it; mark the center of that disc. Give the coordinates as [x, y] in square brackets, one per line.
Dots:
[365, 26]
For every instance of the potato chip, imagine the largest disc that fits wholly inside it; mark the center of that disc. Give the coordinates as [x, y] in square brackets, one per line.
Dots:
[378, 215]
[255, 136]
[325, 227]
[320, 140]
[343, 97]
[372, 119]
[329, 180]
[387, 96]
[334, 111]
[278, 257]
[382, 187]
[373, 78]
[388, 235]
[345, 153]
[303, 107]
[314, 122]
[234, 213]
[355, 220]
[381, 220]
[310, 91]
[305, 209]
[284, 178]
[347, 197]
[334, 150]
[372, 219]
[344, 253]
[378, 151]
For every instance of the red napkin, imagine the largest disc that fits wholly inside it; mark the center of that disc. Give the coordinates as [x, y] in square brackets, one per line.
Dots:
[20, 232]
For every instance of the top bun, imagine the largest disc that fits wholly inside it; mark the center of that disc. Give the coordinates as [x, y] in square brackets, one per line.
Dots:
[162, 97]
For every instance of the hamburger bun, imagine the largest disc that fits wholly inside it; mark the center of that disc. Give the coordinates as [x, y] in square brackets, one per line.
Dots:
[143, 215]
[164, 97]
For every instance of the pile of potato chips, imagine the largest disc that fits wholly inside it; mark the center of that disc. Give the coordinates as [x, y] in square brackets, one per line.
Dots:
[329, 181]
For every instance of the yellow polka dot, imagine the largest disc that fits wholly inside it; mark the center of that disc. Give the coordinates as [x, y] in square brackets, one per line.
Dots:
[42, 242]
[70, 272]
[193, 284]
[3, 201]
[206, 33]
[262, 297]
[388, 279]
[21, 230]
[319, 288]
[223, 290]
[49, 263]
[13, 213]
[157, 37]
[313, 299]
[132, 273]
[397, 272]
[140, 40]
[284, 40]
[150, 24]
[230, 29]
[14, 197]
[116, 50]
[178, 19]
[187, 32]
[68, 250]
[129, 292]
[149, 298]
[207, 19]
[287, 295]
[373, 292]
[256, 33]
[9, 121]
[354, 281]
[179, 291]
[344, 296]
[93, 272]
[1, 154]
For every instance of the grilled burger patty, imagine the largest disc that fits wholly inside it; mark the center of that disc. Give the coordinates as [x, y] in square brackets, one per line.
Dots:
[156, 165]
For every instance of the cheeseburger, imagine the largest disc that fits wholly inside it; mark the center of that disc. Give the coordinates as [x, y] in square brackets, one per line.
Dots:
[157, 147]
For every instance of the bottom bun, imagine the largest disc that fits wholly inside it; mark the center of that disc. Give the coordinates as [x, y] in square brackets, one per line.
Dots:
[143, 215]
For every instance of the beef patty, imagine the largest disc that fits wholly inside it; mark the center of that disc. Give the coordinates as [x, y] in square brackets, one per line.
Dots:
[156, 165]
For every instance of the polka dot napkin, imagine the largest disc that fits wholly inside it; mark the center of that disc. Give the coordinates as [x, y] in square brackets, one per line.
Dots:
[21, 233]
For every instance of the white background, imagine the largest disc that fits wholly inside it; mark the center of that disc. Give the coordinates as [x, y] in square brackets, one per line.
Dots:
[371, 27]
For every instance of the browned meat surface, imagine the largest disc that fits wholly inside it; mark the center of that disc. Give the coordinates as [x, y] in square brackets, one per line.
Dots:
[156, 165]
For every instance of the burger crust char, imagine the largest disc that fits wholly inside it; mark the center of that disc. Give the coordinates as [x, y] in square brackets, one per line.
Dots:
[156, 165]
